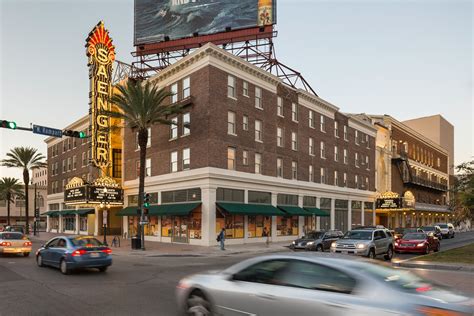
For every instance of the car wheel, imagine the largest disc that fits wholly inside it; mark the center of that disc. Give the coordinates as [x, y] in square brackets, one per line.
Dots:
[320, 248]
[438, 248]
[103, 269]
[371, 254]
[198, 305]
[26, 254]
[427, 250]
[63, 267]
[389, 254]
[39, 261]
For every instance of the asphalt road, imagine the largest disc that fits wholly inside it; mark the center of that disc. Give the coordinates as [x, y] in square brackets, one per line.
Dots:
[132, 286]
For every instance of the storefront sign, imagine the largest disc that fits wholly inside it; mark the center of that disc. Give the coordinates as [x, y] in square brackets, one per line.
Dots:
[389, 203]
[101, 55]
[105, 195]
[78, 194]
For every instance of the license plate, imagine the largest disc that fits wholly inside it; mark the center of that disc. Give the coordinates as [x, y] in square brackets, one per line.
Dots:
[94, 255]
[344, 252]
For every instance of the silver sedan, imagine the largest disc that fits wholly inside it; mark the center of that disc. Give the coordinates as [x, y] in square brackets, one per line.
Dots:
[308, 284]
[14, 243]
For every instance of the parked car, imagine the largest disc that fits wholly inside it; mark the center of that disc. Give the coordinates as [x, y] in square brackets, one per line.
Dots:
[435, 230]
[14, 243]
[400, 231]
[447, 230]
[321, 241]
[70, 253]
[307, 284]
[365, 242]
[15, 228]
[300, 243]
[417, 242]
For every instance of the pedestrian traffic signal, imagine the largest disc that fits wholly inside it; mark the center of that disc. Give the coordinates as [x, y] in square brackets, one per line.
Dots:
[71, 133]
[7, 124]
[146, 200]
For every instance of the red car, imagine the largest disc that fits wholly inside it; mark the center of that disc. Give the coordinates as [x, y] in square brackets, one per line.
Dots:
[417, 242]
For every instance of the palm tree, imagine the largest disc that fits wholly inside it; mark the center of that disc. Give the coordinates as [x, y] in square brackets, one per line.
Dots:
[141, 105]
[9, 188]
[27, 159]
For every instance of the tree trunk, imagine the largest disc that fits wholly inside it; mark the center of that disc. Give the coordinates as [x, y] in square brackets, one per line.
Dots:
[142, 142]
[26, 180]
[9, 197]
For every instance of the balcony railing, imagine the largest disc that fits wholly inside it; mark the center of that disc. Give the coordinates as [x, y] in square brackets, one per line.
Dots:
[425, 182]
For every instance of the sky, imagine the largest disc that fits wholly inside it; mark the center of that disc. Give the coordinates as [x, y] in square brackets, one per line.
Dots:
[399, 57]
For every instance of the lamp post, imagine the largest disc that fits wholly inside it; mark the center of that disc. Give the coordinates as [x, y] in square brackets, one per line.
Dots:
[105, 209]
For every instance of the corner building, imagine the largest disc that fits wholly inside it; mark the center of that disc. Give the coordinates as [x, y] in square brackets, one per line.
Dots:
[249, 154]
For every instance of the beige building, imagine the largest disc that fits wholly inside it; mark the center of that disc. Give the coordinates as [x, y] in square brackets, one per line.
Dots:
[438, 130]
[40, 177]
[17, 207]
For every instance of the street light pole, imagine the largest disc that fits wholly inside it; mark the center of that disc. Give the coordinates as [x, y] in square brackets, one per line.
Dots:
[35, 206]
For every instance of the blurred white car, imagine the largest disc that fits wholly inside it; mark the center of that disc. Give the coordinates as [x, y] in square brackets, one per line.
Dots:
[308, 284]
[14, 243]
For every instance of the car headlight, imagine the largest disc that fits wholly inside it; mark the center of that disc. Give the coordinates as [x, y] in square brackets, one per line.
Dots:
[310, 243]
[333, 245]
[361, 246]
[421, 244]
[294, 242]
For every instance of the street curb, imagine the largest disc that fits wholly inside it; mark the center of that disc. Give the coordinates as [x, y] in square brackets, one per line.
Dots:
[428, 265]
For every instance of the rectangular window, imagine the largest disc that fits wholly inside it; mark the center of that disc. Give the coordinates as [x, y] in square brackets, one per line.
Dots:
[116, 163]
[294, 170]
[245, 158]
[174, 161]
[357, 160]
[186, 159]
[346, 136]
[69, 165]
[259, 197]
[231, 123]
[230, 158]
[279, 167]
[280, 106]
[230, 86]
[336, 178]
[357, 137]
[186, 124]
[366, 183]
[245, 123]
[345, 180]
[311, 173]
[294, 141]
[74, 144]
[279, 137]
[367, 142]
[84, 159]
[258, 98]
[148, 140]
[230, 195]
[174, 128]
[311, 146]
[294, 112]
[287, 199]
[186, 88]
[356, 179]
[323, 151]
[258, 130]
[323, 124]
[336, 129]
[69, 144]
[74, 162]
[148, 167]
[346, 160]
[311, 119]
[367, 162]
[336, 153]
[174, 93]
[258, 163]
[323, 175]
[245, 88]
[137, 168]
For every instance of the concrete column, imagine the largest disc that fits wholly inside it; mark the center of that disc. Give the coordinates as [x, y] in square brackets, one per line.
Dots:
[349, 214]
[362, 210]
[159, 226]
[373, 214]
[300, 218]
[208, 229]
[274, 218]
[96, 222]
[125, 226]
[48, 227]
[60, 224]
[318, 222]
[246, 228]
[333, 213]
[78, 227]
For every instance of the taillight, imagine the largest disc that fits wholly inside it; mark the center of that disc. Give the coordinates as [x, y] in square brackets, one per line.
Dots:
[433, 311]
[6, 244]
[78, 253]
[107, 251]
[27, 244]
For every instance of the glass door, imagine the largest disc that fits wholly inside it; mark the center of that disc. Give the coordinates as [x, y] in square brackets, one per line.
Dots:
[180, 229]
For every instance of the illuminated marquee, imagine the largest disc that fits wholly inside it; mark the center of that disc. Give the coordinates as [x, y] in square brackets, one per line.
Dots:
[101, 54]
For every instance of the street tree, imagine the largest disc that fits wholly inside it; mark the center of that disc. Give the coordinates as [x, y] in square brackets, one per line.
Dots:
[9, 189]
[25, 158]
[462, 192]
[141, 105]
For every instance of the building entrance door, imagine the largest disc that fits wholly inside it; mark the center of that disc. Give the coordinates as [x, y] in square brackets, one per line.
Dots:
[180, 229]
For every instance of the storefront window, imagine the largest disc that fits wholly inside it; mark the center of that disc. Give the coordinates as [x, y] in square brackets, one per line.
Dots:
[152, 228]
[340, 222]
[83, 223]
[309, 223]
[195, 220]
[368, 214]
[166, 226]
[132, 225]
[356, 217]
[258, 224]
[325, 221]
[287, 226]
[258, 197]
[233, 224]
[69, 222]
[54, 221]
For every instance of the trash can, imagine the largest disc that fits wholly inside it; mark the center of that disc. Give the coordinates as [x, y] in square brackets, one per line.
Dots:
[136, 243]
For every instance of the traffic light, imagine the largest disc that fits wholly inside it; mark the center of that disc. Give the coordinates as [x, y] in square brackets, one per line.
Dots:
[7, 124]
[37, 213]
[71, 133]
[146, 200]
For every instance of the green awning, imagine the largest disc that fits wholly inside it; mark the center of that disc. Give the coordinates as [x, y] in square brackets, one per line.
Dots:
[51, 213]
[176, 209]
[250, 209]
[294, 210]
[67, 212]
[84, 211]
[128, 211]
[318, 212]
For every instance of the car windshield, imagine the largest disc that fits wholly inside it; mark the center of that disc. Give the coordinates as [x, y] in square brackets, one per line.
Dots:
[313, 235]
[399, 230]
[443, 225]
[428, 228]
[358, 234]
[10, 236]
[415, 236]
[85, 242]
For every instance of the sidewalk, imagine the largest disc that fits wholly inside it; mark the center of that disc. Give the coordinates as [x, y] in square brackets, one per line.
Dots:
[420, 264]
[159, 249]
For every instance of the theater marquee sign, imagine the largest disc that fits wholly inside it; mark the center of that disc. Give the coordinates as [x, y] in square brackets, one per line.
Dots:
[101, 54]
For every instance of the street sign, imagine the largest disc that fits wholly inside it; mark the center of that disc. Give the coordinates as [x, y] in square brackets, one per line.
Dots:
[48, 131]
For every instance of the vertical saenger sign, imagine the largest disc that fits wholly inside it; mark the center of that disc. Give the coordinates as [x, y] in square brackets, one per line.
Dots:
[101, 54]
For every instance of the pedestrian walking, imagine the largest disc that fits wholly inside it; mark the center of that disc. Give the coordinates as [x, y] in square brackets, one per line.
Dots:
[266, 234]
[221, 238]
